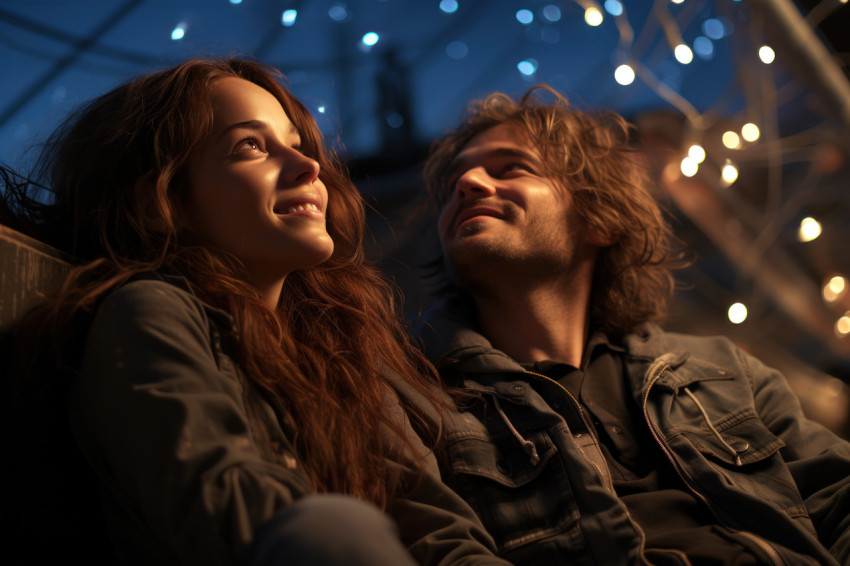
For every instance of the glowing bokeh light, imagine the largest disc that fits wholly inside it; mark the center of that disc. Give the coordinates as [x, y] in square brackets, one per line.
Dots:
[766, 54]
[750, 132]
[288, 17]
[178, 32]
[448, 6]
[683, 54]
[524, 16]
[624, 75]
[809, 230]
[731, 140]
[737, 313]
[697, 153]
[834, 288]
[689, 166]
[614, 7]
[527, 67]
[842, 326]
[370, 38]
[593, 16]
[552, 13]
[729, 173]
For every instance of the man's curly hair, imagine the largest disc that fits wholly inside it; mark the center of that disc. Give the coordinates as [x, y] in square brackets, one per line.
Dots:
[590, 156]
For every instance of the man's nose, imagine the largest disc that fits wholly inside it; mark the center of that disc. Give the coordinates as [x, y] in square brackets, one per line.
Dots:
[474, 183]
[298, 169]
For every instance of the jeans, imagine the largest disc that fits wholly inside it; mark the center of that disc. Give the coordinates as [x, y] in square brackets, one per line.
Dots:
[329, 530]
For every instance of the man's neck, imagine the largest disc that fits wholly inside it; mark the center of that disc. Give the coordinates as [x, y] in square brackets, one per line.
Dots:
[547, 322]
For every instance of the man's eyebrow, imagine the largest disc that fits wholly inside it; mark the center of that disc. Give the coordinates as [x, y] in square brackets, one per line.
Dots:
[461, 160]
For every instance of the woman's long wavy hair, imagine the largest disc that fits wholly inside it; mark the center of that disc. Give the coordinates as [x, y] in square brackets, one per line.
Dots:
[116, 172]
[588, 155]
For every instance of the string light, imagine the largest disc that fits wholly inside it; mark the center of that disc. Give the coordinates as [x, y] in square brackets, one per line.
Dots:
[178, 32]
[683, 54]
[524, 16]
[527, 67]
[288, 17]
[689, 166]
[731, 140]
[737, 313]
[697, 153]
[448, 6]
[614, 7]
[729, 173]
[834, 288]
[766, 54]
[809, 230]
[624, 75]
[552, 13]
[369, 39]
[842, 326]
[593, 16]
[750, 132]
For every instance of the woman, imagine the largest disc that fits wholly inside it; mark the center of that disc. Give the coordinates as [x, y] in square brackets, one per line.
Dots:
[238, 357]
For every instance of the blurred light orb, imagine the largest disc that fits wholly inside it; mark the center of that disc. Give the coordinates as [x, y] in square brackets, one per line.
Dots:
[593, 16]
[524, 16]
[614, 7]
[809, 230]
[370, 38]
[288, 17]
[704, 47]
[552, 13]
[750, 132]
[766, 54]
[178, 32]
[697, 153]
[737, 313]
[834, 288]
[689, 166]
[624, 75]
[683, 54]
[527, 67]
[842, 325]
[457, 50]
[713, 28]
[729, 173]
[731, 140]
[448, 6]
[338, 12]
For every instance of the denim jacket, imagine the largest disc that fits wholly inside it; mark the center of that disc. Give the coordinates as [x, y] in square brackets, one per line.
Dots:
[159, 412]
[729, 425]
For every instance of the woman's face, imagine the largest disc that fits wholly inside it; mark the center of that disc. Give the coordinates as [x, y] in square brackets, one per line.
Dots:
[251, 190]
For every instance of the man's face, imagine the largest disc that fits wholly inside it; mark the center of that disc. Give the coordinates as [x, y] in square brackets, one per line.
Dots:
[501, 210]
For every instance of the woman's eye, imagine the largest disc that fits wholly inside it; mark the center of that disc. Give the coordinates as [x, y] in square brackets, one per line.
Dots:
[248, 144]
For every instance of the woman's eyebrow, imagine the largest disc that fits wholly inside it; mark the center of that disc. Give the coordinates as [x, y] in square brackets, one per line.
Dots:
[256, 125]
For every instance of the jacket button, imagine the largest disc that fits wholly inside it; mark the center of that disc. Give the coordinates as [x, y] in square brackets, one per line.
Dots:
[740, 446]
[504, 467]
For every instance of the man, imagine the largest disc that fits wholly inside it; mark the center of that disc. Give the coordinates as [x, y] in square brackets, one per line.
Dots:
[586, 434]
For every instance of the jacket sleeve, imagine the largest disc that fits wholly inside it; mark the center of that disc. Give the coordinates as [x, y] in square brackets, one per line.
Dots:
[166, 430]
[818, 460]
[438, 527]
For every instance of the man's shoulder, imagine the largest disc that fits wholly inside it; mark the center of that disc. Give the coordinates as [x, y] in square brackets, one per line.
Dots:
[651, 341]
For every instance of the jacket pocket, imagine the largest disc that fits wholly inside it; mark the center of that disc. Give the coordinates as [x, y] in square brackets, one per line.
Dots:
[520, 499]
[745, 454]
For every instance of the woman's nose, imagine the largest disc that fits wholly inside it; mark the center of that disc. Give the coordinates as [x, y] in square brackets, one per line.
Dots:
[299, 168]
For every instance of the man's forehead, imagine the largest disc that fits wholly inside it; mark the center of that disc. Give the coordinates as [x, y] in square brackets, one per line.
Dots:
[508, 139]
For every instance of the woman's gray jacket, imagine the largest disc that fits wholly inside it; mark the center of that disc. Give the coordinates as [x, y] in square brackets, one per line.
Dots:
[159, 412]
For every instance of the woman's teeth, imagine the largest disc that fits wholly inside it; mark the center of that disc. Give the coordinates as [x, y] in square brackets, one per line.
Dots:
[300, 207]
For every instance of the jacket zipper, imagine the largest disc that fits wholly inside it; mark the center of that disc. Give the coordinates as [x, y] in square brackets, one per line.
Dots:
[654, 374]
